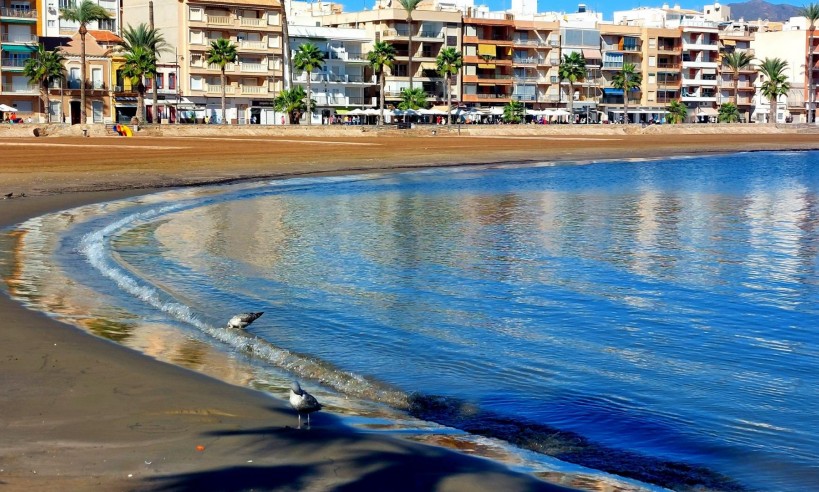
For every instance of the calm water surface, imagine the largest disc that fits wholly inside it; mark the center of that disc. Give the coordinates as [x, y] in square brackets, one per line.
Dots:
[658, 315]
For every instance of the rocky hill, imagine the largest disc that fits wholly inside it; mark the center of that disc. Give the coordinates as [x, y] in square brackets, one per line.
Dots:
[760, 9]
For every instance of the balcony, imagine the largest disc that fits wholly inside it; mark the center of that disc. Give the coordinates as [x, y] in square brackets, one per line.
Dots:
[217, 89]
[29, 89]
[252, 22]
[253, 89]
[527, 60]
[13, 63]
[531, 42]
[230, 67]
[252, 45]
[318, 77]
[253, 67]
[346, 56]
[700, 63]
[699, 46]
[332, 100]
[19, 13]
[219, 20]
[18, 38]
[697, 82]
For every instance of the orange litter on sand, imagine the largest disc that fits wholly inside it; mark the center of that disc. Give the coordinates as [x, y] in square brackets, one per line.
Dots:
[200, 448]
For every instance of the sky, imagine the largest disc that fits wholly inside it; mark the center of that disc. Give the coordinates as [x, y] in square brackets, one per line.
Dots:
[606, 7]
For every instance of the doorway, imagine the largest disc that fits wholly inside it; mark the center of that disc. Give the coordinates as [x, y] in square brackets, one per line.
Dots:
[75, 112]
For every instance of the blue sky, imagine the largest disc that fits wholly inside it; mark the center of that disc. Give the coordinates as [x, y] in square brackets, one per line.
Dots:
[604, 6]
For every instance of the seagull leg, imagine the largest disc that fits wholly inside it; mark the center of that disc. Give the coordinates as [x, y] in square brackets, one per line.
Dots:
[308, 420]
[299, 420]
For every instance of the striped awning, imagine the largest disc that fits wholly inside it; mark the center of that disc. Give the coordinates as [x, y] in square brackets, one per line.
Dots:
[17, 48]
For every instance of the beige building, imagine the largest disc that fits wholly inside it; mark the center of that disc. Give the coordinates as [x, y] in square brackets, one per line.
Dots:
[66, 97]
[432, 31]
[189, 27]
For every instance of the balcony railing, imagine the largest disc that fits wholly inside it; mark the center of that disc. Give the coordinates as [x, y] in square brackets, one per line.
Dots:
[325, 100]
[251, 21]
[18, 38]
[89, 84]
[18, 13]
[27, 89]
[219, 20]
[252, 67]
[490, 96]
[14, 62]
[332, 77]
[217, 89]
[230, 67]
[254, 89]
[252, 45]
[530, 42]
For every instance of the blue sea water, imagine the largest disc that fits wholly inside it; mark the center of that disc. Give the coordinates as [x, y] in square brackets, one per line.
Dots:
[652, 319]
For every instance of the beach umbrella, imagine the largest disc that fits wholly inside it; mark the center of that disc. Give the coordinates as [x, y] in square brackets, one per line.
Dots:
[7, 109]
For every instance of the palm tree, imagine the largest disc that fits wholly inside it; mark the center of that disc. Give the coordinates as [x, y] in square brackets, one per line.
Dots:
[728, 113]
[513, 112]
[736, 61]
[150, 38]
[292, 102]
[409, 6]
[85, 12]
[626, 80]
[448, 63]
[677, 112]
[776, 83]
[222, 52]
[308, 58]
[381, 57]
[42, 68]
[413, 98]
[139, 64]
[811, 13]
[573, 69]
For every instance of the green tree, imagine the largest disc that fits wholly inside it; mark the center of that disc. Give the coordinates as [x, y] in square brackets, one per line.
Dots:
[381, 57]
[811, 13]
[150, 38]
[292, 102]
[222, 52]
[627, 79]
[513, 112]
[677, 112]
[573, 69]
[84, 13]
[775, 84]
[139, 64]
[737, 61]
[42, 68]
[413, 98]
[728, 113]
[448, 62]
[410, 6]
[308, 58]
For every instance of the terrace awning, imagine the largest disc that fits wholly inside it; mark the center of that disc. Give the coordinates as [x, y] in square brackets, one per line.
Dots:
[14, 48]
[487, 49]
[591, 54]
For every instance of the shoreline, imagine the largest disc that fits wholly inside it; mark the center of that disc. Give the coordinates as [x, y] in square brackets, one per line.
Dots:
[81, 412]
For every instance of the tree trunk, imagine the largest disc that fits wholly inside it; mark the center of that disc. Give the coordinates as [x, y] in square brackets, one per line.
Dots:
[772, 115]
[625, 106]
[141, 103]
[381, 97]
[409, 49]
[811, 116]
[44, 97]
[286, 49]
[224, 88]
[83, 30]
[155, 92]
[448, 99]
[736, 87]
[309, 95]
[571, 102]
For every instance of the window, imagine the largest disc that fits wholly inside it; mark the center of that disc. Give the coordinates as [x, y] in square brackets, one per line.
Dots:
[96, 78]
[195, 14]
[273, 19]
[652, 78]
[197, 84]
[652, 96]
[652, 43]
[652, 61]
[108, 25]
[160, 81]
[197, 37]
[273, 41]
[149, 83]
[172, 81]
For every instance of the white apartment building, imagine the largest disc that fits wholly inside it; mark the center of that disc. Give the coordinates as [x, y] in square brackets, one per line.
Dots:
[54, 26]
[345, 81]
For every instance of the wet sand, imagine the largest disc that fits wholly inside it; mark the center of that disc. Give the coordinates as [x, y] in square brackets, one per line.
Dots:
[78, 412]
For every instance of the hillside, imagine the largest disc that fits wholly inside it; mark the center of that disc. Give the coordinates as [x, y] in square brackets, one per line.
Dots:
[760, 9]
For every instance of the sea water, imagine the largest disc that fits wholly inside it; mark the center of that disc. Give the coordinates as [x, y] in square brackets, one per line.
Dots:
[650, 319]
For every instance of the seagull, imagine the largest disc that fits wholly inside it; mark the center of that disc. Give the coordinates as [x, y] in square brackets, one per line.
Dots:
[8, 195]
[241, 321]
[303, 402]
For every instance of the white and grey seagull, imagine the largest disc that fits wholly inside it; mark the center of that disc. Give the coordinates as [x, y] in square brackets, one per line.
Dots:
[242, 320]
[303, 402]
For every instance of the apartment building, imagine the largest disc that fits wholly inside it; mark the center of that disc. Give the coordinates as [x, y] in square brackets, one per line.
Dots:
[733, 37]
[790, 45]
[700, 63]
[189, 27]
[433, 29]
[535, 60]
[488, 52]
[18, 42]
[621, 45]
[66, 97]
[345, 81]
[588, 95]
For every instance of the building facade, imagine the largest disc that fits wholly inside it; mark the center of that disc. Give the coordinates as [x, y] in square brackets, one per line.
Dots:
[18, 43]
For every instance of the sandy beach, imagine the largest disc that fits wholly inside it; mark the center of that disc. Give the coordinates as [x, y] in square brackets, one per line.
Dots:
[79, 412]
